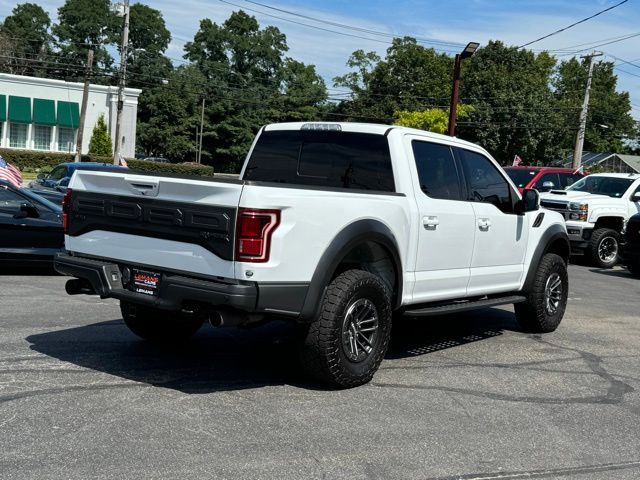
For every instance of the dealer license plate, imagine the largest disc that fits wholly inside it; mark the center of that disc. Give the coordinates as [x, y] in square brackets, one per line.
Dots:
[145, 282]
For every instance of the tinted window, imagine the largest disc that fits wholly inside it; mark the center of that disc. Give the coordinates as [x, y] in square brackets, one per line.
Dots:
[332, 159]
[520, 177]
[486, 184]
[10, 201]
[611, 186]
[57, 173]
[568, 179]
[546, 178]
[437, 170]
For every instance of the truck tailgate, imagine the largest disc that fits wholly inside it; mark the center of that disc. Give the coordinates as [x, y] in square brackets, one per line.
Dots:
[165, 222]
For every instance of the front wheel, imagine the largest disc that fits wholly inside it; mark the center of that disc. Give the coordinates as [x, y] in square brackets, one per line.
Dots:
[604, 248]
[346, 342]
[547, 298]
[159, 325]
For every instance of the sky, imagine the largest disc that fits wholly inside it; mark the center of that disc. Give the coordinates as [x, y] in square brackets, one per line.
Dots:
[448, 24]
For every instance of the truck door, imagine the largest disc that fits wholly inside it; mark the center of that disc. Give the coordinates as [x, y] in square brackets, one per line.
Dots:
[500, 235]
[446, 223]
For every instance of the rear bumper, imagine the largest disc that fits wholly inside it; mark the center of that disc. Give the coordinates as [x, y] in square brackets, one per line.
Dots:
[178, 288]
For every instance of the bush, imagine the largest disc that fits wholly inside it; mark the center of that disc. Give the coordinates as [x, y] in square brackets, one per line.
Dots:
[178, 168]
[100, 143]
[32, 161]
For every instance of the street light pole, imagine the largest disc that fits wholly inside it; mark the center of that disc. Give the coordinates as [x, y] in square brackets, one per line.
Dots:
[468, 51]
[121, 83]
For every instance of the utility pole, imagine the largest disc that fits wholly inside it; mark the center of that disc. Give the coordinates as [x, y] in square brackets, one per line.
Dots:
[83, 108]
[122, 82]
[201, 130]
[577, 152]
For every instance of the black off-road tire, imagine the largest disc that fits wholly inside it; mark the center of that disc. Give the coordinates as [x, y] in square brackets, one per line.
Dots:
[322, 352]
[159, 325]
[533, 315]
[597, 238]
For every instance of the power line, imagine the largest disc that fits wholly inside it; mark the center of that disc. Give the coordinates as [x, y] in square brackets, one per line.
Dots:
[589, 45]
[356, 28]
[573, 24]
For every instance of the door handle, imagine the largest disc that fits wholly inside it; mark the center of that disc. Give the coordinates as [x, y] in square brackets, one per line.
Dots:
[484, 224]
[430, 222]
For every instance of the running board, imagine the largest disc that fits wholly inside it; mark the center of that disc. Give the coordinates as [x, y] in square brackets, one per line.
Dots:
[464, 306]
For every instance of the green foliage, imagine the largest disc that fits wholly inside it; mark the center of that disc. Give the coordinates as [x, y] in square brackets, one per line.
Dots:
[100, 143]
[25, 40]
[411, 78]
[32, 159]
[432, 120]
[175, 168]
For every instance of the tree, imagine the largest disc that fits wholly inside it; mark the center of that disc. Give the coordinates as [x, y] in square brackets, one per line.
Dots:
[248, 82]
[514, 107]
[25, 40]
[609, 120]
[100, 143]
[411, 77]
[84, 24]
[432, 120]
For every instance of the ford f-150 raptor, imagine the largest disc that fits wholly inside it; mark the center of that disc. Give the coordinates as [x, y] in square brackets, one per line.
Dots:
[333, 226]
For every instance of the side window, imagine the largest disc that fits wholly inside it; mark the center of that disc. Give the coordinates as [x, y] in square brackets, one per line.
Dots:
[57, 173]
[437, 170]
[10, 201]
[569, 179]
[548, 178]
[486, 184]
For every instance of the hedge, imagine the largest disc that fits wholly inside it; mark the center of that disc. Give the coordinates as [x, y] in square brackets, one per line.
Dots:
[30, 160]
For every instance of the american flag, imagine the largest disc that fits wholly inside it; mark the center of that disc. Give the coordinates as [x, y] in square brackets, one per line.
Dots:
[10, 173]
[517, 161]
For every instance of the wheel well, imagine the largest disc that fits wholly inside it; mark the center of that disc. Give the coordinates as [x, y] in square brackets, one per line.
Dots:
[374, 258]
[560, 247]
[614, 223]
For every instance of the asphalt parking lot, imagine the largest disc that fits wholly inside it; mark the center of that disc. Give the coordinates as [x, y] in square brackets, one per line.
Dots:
[466, 396]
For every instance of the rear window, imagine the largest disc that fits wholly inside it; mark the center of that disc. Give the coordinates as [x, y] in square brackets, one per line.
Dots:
[358, 161]
[520, 177]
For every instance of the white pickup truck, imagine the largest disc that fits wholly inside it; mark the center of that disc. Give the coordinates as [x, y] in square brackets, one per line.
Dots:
[333, 226]
[597, 209]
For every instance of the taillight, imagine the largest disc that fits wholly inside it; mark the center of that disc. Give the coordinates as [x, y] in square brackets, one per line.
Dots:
[253, 234]
[66, 208]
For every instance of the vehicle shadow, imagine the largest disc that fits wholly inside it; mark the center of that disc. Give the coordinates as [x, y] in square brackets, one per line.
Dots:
[621, 273]
[235, 359]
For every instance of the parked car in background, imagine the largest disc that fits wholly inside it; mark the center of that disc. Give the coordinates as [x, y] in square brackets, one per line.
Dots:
[543, 179]
[596, 209]
[30, 226]
[632, 245]
[53, 185]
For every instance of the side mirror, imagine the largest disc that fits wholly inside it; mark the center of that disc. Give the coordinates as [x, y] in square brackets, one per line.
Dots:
[41, 176]
[636, 197]
[548, 185]
[530, 201]
[27, 210]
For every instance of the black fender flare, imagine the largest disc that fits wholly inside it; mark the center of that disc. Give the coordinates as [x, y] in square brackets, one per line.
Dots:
[554, 233]
[361, 231]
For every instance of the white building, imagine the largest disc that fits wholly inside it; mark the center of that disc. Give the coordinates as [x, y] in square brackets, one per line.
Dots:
[43, 114]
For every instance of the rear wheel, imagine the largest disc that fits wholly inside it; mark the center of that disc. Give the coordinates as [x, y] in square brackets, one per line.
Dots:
[159, 325]
[345, 344]
[547, 297]
[604, 247]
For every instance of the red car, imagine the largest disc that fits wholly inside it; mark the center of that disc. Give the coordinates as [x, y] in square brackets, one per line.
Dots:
[543, 179]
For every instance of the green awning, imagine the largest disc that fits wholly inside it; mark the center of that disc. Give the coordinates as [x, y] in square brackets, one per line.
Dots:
[68, 114]
[44, 112]
[3, 108]
[19, 109]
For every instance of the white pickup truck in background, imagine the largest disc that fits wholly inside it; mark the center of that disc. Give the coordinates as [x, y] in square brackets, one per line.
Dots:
[333, 226]
[597, 209]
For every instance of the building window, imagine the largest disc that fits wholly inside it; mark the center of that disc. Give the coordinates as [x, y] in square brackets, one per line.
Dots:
[18, 135]
[42, 137]
[66, 139]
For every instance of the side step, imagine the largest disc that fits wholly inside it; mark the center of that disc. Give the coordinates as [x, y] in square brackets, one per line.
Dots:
[462, 306]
